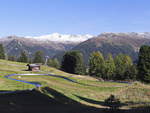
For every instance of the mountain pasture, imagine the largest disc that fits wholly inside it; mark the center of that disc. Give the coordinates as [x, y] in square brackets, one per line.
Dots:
[86, 93]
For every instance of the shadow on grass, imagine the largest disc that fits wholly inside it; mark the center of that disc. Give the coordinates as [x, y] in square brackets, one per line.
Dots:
[91, 101]
[36, 101]
[132, 110]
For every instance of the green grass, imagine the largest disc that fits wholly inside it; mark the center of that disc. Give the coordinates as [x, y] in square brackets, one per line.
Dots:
[87, 87]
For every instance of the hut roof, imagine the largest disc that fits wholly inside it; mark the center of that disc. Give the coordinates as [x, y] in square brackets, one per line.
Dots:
[33, 65]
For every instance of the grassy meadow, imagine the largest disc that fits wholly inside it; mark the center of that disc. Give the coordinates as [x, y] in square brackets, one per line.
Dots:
[88, 91]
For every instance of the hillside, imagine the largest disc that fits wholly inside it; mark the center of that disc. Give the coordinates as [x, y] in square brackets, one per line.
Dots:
[55, 45]
[14, 45]
[114, 43]
[51, 44]
[62, 96]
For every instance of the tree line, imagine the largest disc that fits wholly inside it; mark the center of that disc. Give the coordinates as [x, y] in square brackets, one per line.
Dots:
[38, 57]
[120, 67]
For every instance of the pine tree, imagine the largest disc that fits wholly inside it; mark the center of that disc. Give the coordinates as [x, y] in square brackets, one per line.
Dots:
[12, 58]
[2, 52]
[144, 64]
[53, 63]
[38, 57]
[109, 67]
[96, 64]
[73, 62]
[131, 72]
[23, 57]
[123, 63]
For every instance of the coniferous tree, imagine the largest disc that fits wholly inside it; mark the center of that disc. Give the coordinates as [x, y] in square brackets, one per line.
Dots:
[38, 57]
[96, 64]
[53, 63]
[23, 57]
[122, 63]
[30, 60]
[131, 72]
[2, 52]
[12, 58]
[109, 67]
[144, 64]
[73, 63]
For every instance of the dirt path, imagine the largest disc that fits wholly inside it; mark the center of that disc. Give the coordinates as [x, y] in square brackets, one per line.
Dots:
[36, 84]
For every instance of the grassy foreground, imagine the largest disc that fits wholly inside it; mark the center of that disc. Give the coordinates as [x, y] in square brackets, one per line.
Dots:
[88, 91]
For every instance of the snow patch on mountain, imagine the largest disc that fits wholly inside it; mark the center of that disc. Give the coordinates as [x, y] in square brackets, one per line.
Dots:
[56, 37]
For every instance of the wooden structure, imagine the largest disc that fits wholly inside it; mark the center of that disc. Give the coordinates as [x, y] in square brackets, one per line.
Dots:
[34, 67]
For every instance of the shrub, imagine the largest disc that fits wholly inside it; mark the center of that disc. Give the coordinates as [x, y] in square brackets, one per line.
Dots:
[113, 102]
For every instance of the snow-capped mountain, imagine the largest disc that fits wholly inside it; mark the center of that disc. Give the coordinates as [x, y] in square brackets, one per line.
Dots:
[54, 44]
[62, 38]
[127, 34]
[49, 44]
[115, 43]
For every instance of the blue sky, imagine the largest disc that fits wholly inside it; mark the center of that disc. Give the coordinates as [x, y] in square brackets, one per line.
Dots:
[40, 17]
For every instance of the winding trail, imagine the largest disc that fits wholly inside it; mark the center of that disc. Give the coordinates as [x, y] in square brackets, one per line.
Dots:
[37, 84]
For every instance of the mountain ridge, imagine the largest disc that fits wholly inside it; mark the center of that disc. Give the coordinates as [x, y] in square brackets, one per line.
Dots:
[114, 43]
[56, 37]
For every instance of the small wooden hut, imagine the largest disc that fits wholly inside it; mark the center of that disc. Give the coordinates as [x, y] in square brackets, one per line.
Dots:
[34, 67]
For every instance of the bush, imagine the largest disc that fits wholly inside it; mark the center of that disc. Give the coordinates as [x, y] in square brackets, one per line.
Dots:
[113, 102]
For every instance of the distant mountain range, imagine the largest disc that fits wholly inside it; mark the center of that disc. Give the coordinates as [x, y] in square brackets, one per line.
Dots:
[55, 45]
[114, 43]
[62, 38]
[50, 44]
